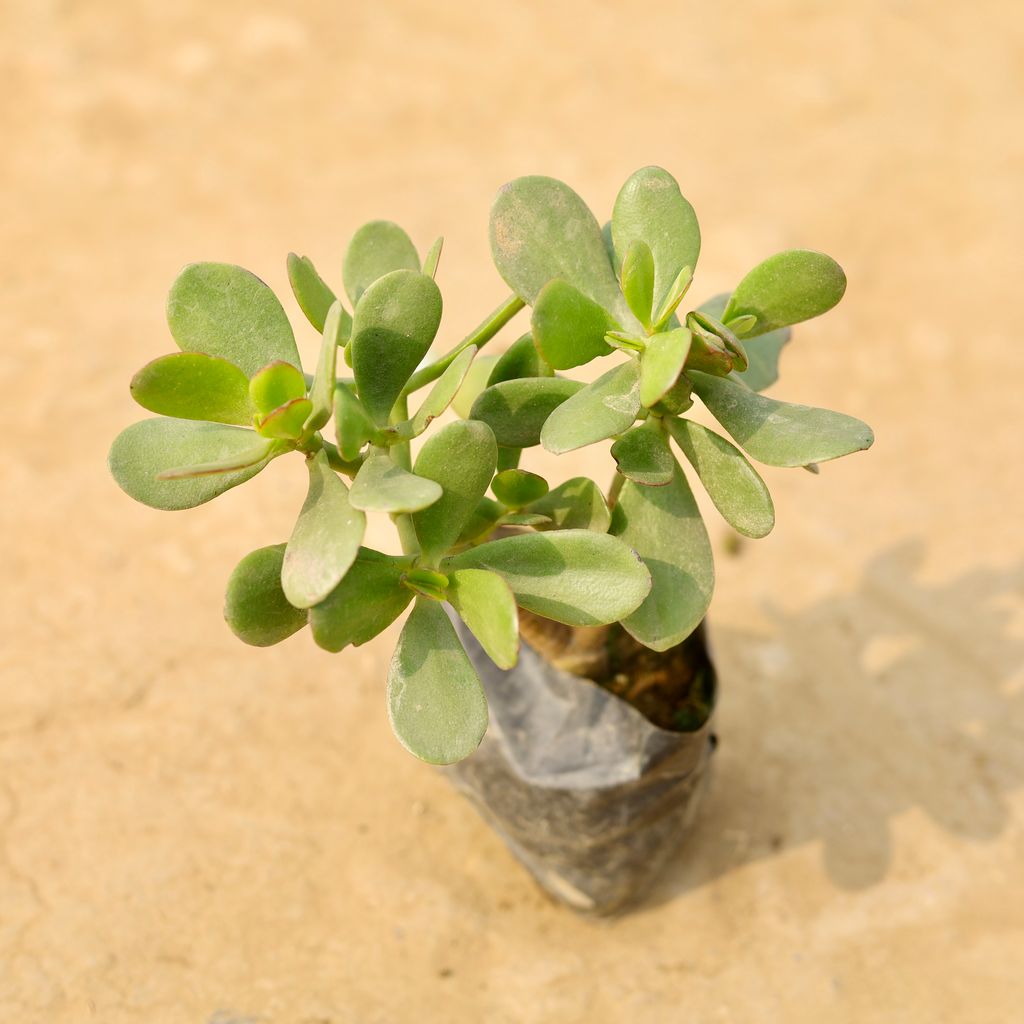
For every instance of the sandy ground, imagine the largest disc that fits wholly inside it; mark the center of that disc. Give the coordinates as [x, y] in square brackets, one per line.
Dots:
[195, 831]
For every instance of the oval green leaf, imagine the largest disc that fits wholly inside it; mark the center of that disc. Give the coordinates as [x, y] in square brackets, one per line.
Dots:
[393, 328]
[637, 276]
[367, 600]
[314, 297]
[222, 310]
[650, 208]
[569, 328]
[460, 457]
[520, 359]
[194, 386]
[578, 504]
[486, 605]
[574, 576]
[600, 410]
[643, 456]
[146, 449]
[287, 421]
[382, 486]
[780, 433]
[436, 704]
[444, 391]
[325, 540]
[376, 249]
[516, 488]
[732, 483]
[516, 410]
[663, 525]
[787, 288]
[255, 607]
[661, 363]
[275, 385]
[352, 426]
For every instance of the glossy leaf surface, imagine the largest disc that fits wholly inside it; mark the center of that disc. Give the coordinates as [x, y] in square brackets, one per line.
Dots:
[579, 577]
[732, 483]
[193, 386]
[275, 385]
[143, 450]
[780, 433]
[287, 421]
[222, 310]
[255, 607]
[436, 704]
[568, 327]
[325, 540]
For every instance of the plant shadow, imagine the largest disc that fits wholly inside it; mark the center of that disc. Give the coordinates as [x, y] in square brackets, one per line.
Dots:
[893, 697]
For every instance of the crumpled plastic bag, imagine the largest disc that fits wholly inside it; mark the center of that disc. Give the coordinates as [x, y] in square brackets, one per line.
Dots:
[588, 794]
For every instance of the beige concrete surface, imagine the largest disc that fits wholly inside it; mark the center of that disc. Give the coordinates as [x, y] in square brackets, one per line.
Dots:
[193, 831]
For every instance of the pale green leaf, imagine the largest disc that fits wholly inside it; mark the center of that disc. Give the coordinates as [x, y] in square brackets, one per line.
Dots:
[325, 540]
[637, 275]
[569, 328]
[661, 364]
[367, 600]
[578, 504]
[255, 607]
[193, 386]
[222, 310]
[461, 457]
[382, 486]
[780, 433]
[433, 258]
[600, 410]
[146, 449]
[258, 453]
[579, 577]
[444, 391]
[516, 410]
[642, 455]
[732, 483]
[352, 426]
[436, 704]
[314, 297]
[663, 525]
[393, 328]
[275, 385]
[516, 488]
[485, 603]
[287, 421]
[650, 207]
[376, 249]
[321, 394]
[787, 288]
[520, 359]
[475, 381]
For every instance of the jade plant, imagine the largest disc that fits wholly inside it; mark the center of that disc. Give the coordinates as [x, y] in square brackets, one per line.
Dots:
[234, 399]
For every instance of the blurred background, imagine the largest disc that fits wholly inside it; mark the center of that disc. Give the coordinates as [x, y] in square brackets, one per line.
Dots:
[191, 830]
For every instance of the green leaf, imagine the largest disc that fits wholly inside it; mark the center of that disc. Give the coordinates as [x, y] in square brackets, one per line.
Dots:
[643, 456]
[661, 364]
[638, 280]
[602, 409]
[394, 326]
[325, 540]
[352, 426]
[223, 310]
[542, 230]
[259, 451]
[193, 386]
[650, 207]
[763, 355]
[568, 327]
[255, 607]
[461, 457]
[524, 519]
[433, 258]
[275, 385]
[675, 294]
[516, 410]
[664, 526]
[376, 249]
[578, 504]
[520, 359]
[436, 704]
[483, 519]
[780, 433]
[485, 604]
[321, 394]
[143, 450]
[709, 325]
[314, 297]
[475, 382]
[787, 288]
[732, 483]
[444, 391]
[367, 600]
[574, 576]
[382, 486]
[516, 488]
[287, 421]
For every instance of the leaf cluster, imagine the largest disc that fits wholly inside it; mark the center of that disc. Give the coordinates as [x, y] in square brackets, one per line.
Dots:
[478, 533]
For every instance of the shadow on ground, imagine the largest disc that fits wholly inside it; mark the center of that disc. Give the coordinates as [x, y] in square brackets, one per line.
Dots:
[896, 696]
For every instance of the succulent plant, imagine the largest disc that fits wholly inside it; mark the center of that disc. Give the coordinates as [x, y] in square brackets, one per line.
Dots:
[235, 398]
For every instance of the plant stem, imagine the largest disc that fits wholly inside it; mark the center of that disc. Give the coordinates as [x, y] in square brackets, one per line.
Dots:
[616, 487]
[479, 337]
[401, 455]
